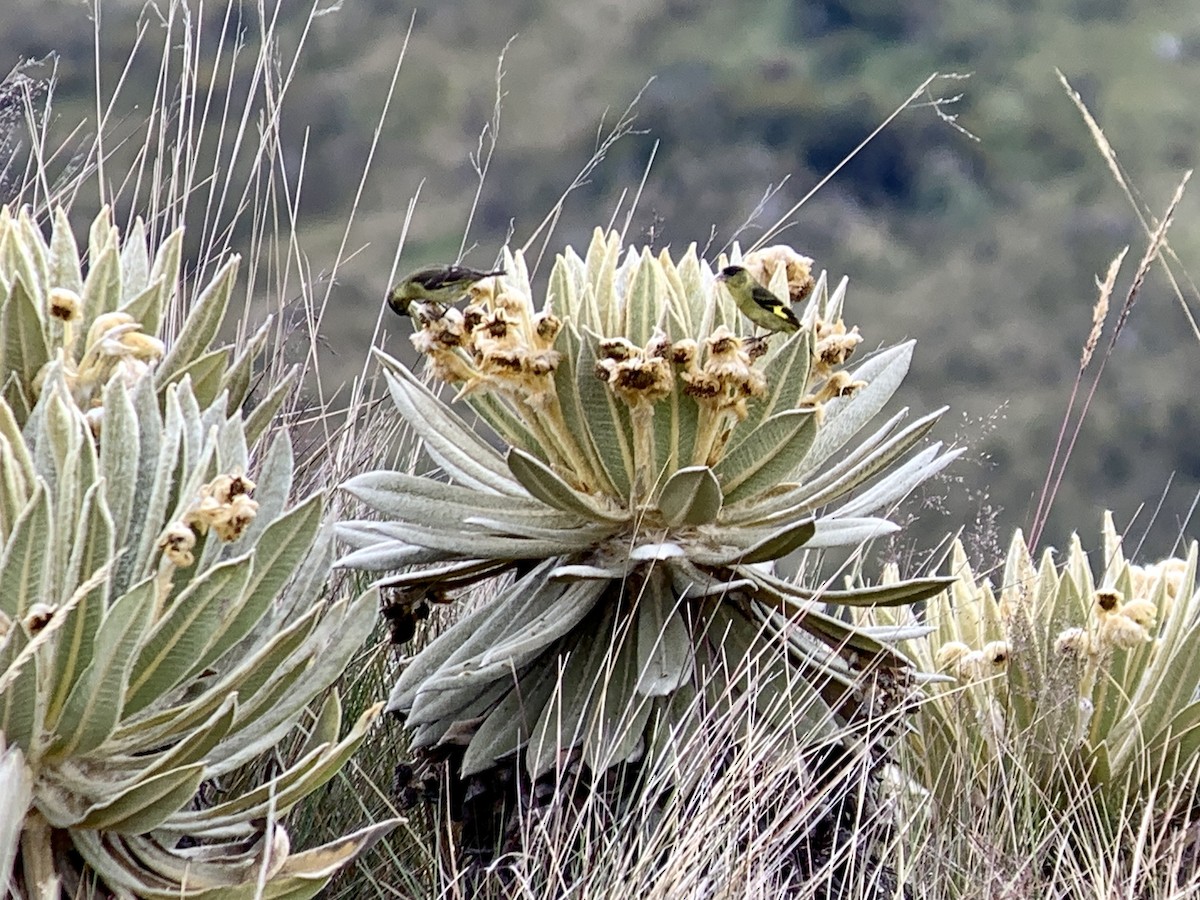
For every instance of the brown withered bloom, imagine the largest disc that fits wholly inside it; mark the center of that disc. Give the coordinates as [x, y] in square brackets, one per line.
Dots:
[177, 544]
[64, 304]
[225, 506]
[764, 263]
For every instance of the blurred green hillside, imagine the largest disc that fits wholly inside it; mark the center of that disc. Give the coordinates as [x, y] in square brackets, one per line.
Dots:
[980, 239]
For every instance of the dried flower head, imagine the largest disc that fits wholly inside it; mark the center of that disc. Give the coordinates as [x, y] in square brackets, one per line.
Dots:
[515, 305]
[473, 315]
[727, 358]
[225, 506]
[38, 616]
[834, 345]
[637, 379]
[617, 349]
[496, 332]
[542, 362]
[764, 263]
[727, 379]
[1122, 632]
[64, 304]
[659, 346]
[1172, 570]
[235, 518]
[683, 353]
[1073, 643]
[996, 653]
[972, 666]
[1141, 611]
[546, 326]
[226, 487]
[141, 346]
[448, 331]
[838, 384]
[949, 654]
[176, 544]
[115, 347]
[1107, 600]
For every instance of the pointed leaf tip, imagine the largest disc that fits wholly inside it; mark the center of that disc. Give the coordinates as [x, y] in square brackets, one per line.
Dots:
[546, 485]
[691, 496]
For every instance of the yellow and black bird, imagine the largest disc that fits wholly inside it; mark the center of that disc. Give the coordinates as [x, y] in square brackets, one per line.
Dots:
[757, 303]
[435, 288]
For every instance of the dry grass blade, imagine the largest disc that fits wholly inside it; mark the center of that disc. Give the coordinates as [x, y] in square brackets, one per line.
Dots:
[1154, 248]
[1100, 310]
[1118, 174]
[1099, 315]
[756, 818]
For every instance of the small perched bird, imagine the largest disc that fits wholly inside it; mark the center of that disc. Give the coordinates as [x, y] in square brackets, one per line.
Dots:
[435, 287]
[757, 303]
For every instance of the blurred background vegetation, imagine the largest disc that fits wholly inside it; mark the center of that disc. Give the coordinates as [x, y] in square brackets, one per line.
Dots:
[979, 236]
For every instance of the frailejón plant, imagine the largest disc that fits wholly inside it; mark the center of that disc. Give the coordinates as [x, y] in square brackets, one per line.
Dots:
[162, 622]
[1089, 684]
[657, 461]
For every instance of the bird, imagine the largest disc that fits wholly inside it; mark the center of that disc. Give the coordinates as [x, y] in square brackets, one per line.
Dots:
[435, 288]
[758, 304]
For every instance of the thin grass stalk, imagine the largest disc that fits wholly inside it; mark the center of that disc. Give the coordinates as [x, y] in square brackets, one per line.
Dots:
[1153, 248]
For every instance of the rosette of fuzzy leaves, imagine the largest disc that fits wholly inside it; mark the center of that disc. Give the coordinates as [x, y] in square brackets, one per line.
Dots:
[1072, 679]
[113, 319]
[657, 461]
[162, 622]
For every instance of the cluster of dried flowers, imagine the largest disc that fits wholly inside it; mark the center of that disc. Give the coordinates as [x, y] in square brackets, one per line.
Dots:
[115, 347]
[224, 505]
[498, 343]
[1115, 622]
